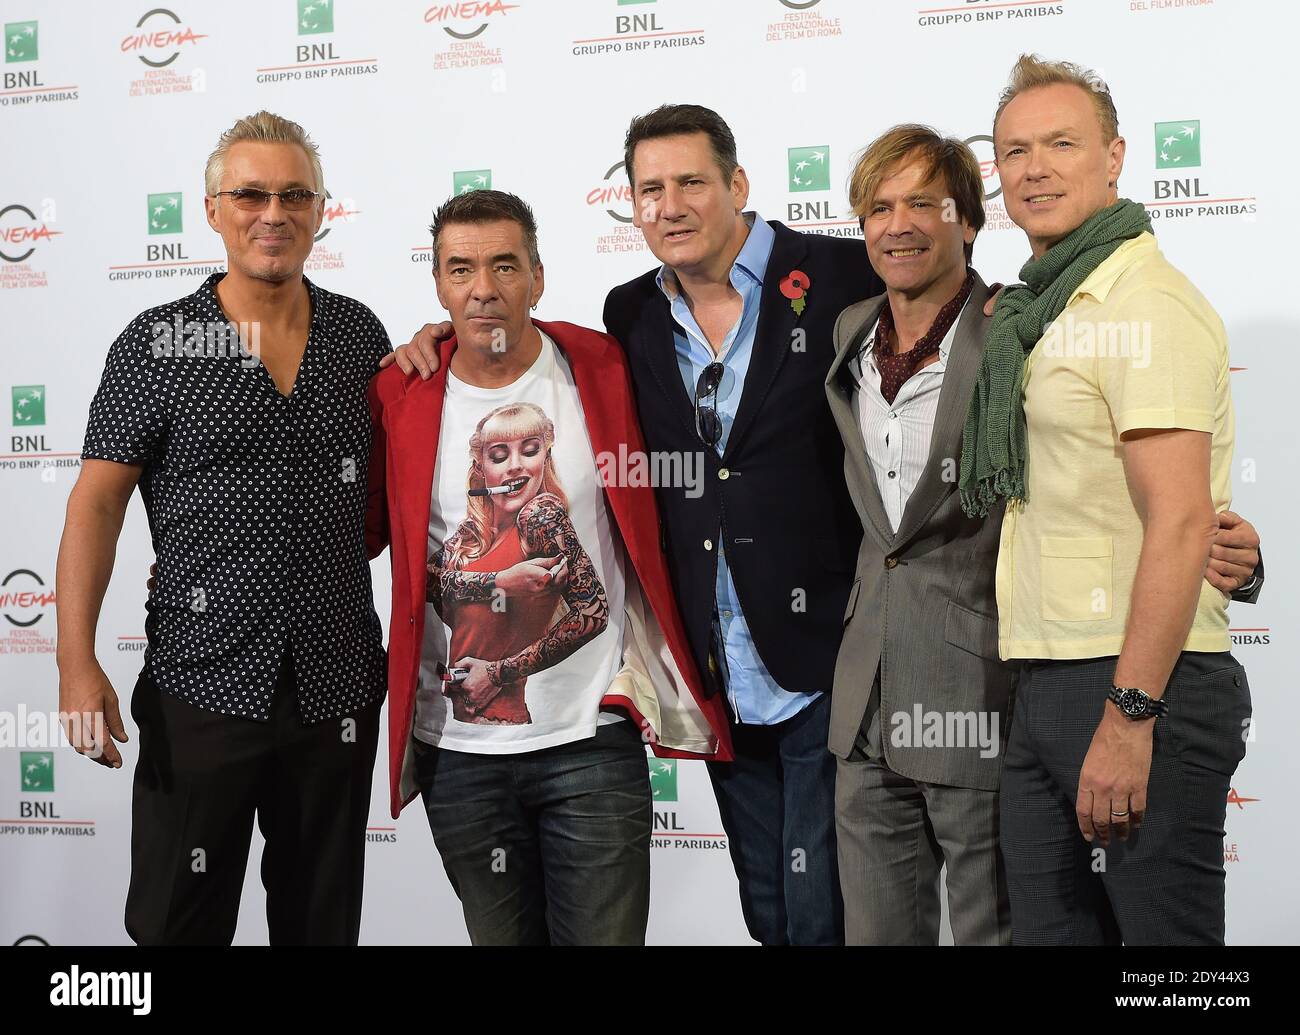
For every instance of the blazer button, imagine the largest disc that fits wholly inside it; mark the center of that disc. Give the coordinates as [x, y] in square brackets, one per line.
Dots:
[723, 475]
[891, 562]
[708, 544]
[411, 620]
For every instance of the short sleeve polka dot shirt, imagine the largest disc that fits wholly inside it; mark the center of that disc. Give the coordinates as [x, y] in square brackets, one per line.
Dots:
[256, 504]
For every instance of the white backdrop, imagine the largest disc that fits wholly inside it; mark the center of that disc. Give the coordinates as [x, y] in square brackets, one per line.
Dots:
[105, 105]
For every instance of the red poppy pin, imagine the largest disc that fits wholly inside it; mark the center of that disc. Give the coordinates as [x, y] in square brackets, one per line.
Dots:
[795, 285]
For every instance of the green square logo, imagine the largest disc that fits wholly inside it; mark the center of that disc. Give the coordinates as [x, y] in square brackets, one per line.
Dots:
[1178, 144]
[471, 179]
[315, 16]
[663, 779]
[37, 770]
[165, 213]
[20, 42]
[29, 405]
[810, 168]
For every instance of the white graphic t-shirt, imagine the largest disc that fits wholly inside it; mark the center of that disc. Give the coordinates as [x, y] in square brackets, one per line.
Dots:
[526, 631]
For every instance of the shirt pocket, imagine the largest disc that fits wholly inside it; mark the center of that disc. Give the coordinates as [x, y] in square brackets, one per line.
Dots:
[1076, 578]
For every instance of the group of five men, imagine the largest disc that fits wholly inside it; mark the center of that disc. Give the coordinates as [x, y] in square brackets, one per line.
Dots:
[919, 506]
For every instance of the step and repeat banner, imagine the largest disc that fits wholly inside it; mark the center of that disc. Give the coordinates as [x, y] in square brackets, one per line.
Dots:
[108, 111]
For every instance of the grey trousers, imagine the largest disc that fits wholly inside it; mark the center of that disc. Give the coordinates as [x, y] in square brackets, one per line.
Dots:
[1165, 885]
[894, 835]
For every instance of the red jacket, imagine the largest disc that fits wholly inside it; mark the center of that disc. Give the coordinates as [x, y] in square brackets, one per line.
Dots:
[659, 685]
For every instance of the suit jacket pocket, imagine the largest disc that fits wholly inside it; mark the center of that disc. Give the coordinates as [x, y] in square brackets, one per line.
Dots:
[853, 600]
[972, 632]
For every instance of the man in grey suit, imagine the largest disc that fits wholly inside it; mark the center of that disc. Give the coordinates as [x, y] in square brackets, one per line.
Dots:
[921, 701]
[918, 744]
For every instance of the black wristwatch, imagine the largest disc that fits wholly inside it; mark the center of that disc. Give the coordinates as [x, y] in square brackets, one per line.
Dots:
[1137, 704]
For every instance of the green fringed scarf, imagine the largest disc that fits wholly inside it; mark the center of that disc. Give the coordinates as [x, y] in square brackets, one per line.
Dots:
[994, 441]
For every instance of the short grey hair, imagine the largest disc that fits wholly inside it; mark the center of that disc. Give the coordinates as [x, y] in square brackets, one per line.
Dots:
[269, 128]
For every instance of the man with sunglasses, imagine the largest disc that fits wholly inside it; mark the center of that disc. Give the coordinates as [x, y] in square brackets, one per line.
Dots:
[736, 325]
[240, 412]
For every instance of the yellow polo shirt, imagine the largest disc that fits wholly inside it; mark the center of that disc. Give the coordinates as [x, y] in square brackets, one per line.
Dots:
[1137, 346]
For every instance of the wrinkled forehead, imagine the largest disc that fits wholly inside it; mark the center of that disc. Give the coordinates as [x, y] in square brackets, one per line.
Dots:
[482, 241]
[661, 159]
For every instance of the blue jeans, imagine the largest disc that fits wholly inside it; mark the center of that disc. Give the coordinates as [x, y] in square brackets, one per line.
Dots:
[777, 803]
[548, 847]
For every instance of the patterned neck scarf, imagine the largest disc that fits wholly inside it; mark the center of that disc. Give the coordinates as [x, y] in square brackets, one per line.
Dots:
[896, 367]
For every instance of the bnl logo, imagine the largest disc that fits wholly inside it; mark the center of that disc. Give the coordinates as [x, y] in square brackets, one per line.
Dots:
[625, 23]
[28, 403]
[37, 771]
[808, 169]
[314, 18]
[1178, 146]
[471, 179]
[21, 40]
[663, 779]
[165, 218]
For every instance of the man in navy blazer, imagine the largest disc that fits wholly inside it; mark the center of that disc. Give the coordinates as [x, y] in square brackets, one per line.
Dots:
[729, 342]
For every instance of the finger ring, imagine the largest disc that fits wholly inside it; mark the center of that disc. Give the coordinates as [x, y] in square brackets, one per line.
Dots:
[1114, 813]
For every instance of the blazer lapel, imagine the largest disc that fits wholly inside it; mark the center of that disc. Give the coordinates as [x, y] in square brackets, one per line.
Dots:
[606, 404]
[660, 350]
[773, 335]
[839, 394]
[414, 426]
[950, 417]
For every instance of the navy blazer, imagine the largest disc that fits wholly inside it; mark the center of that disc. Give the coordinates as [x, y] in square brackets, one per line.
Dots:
[776, 497]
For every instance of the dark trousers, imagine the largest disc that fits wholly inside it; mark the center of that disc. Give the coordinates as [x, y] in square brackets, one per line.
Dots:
[548, 847]
[777, 803]
[200, 780]
[1165, 885]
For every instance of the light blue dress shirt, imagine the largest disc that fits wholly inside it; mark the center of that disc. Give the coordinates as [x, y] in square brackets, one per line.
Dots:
[755, 697]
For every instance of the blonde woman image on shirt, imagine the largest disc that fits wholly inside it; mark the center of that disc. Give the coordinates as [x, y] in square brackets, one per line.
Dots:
[513, 582]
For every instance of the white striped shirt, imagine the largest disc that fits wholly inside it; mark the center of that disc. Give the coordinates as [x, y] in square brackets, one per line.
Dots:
[897, 436]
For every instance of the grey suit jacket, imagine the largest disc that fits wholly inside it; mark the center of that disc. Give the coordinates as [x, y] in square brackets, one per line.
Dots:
[923, 609]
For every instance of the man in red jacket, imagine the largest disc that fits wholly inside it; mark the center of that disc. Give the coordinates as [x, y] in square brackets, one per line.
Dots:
[535, 646]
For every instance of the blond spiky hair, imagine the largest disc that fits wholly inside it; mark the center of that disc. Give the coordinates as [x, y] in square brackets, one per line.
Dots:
[269, 128]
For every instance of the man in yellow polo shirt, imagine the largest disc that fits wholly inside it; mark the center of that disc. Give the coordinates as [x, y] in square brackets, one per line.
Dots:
[1103, 415]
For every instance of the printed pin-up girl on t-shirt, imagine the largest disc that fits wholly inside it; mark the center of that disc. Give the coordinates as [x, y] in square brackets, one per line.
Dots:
[513, 583]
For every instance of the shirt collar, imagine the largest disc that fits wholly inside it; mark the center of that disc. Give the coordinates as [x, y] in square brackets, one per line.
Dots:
[945, 345]
[206, 295]
[1099, 282]
[752, 260]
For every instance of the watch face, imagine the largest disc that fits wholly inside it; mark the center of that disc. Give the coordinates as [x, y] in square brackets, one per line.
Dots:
[1132, 702]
